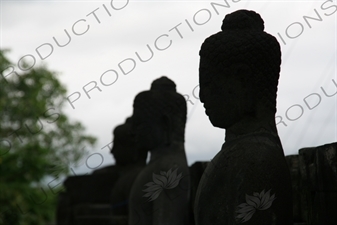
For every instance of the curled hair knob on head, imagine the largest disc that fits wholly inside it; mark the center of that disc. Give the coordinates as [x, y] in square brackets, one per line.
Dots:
[128, 120]
[243, 40]
[163, 100]
[243, 19]
[163, 84]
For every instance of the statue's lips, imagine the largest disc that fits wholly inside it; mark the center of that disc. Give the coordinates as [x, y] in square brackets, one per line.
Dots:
[207, 109]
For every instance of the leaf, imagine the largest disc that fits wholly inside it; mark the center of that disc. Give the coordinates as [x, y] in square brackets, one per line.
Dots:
[253, 201]
[267, 200]
[246, 209]
[155, 195]
[248, 216]
[243, 205]
[245, 213]
[159, 179]
[266, 205]
[272, 198]
[262, 194]
[149, 184]
[153, 188]
[169, 172]
[240, 215]
[266, 196]
[173, 184]
[172, 176]
[163, 173]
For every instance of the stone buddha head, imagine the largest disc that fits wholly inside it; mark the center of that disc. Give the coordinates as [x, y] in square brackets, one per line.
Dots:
[124, 149]
[239, 71]
[159, 115]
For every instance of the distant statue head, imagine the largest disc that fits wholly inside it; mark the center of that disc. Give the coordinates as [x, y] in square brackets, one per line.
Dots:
[124, 149]
[159, 115]
[239, 71]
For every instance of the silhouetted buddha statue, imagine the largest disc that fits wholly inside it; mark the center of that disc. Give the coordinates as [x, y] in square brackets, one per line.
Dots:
[94, 195]
[124, 151]
[130, 160]
[160, 194]
[248, 180]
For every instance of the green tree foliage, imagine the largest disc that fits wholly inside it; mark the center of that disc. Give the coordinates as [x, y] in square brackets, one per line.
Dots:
[37, 140]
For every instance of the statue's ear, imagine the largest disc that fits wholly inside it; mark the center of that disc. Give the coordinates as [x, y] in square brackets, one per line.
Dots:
[167, 126]
[245, 75]
[242, 77]
[243, 72]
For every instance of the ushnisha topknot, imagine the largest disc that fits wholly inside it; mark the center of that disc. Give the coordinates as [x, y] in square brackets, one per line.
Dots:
[162, 99]
[124, 131]
[163, 84]
[244, 41]
[243, 19]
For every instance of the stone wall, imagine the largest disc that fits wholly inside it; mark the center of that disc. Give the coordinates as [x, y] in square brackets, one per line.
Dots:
[314, 180]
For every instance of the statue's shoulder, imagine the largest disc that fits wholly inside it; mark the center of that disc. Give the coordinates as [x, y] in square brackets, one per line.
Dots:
[105, 169]
[255, 140]
[250, 148]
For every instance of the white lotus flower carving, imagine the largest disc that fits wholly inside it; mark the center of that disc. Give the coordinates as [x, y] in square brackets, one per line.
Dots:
[258, 201]
[166, 180]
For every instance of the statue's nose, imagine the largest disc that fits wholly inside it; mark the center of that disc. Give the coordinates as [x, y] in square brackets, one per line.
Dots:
[203, 92]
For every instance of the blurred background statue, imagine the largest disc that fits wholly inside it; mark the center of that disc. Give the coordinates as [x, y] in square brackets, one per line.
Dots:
[160, 194]
[102, 197]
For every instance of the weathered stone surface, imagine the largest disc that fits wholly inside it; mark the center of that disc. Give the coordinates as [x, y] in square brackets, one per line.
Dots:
[63, 211]
[196, 171]
[119, 196]
[294, 168]
[84, 190]
[318, 167]
[248, 181]
[89, 214]
[89, 188]
[160, 194]
[86, 195]
[132, 160]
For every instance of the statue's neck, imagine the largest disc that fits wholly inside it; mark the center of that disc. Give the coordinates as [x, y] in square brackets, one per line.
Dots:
[249, 126]
[140, 163]
[173, 148]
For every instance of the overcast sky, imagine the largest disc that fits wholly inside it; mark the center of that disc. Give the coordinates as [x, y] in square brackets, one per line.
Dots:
[103, 73]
